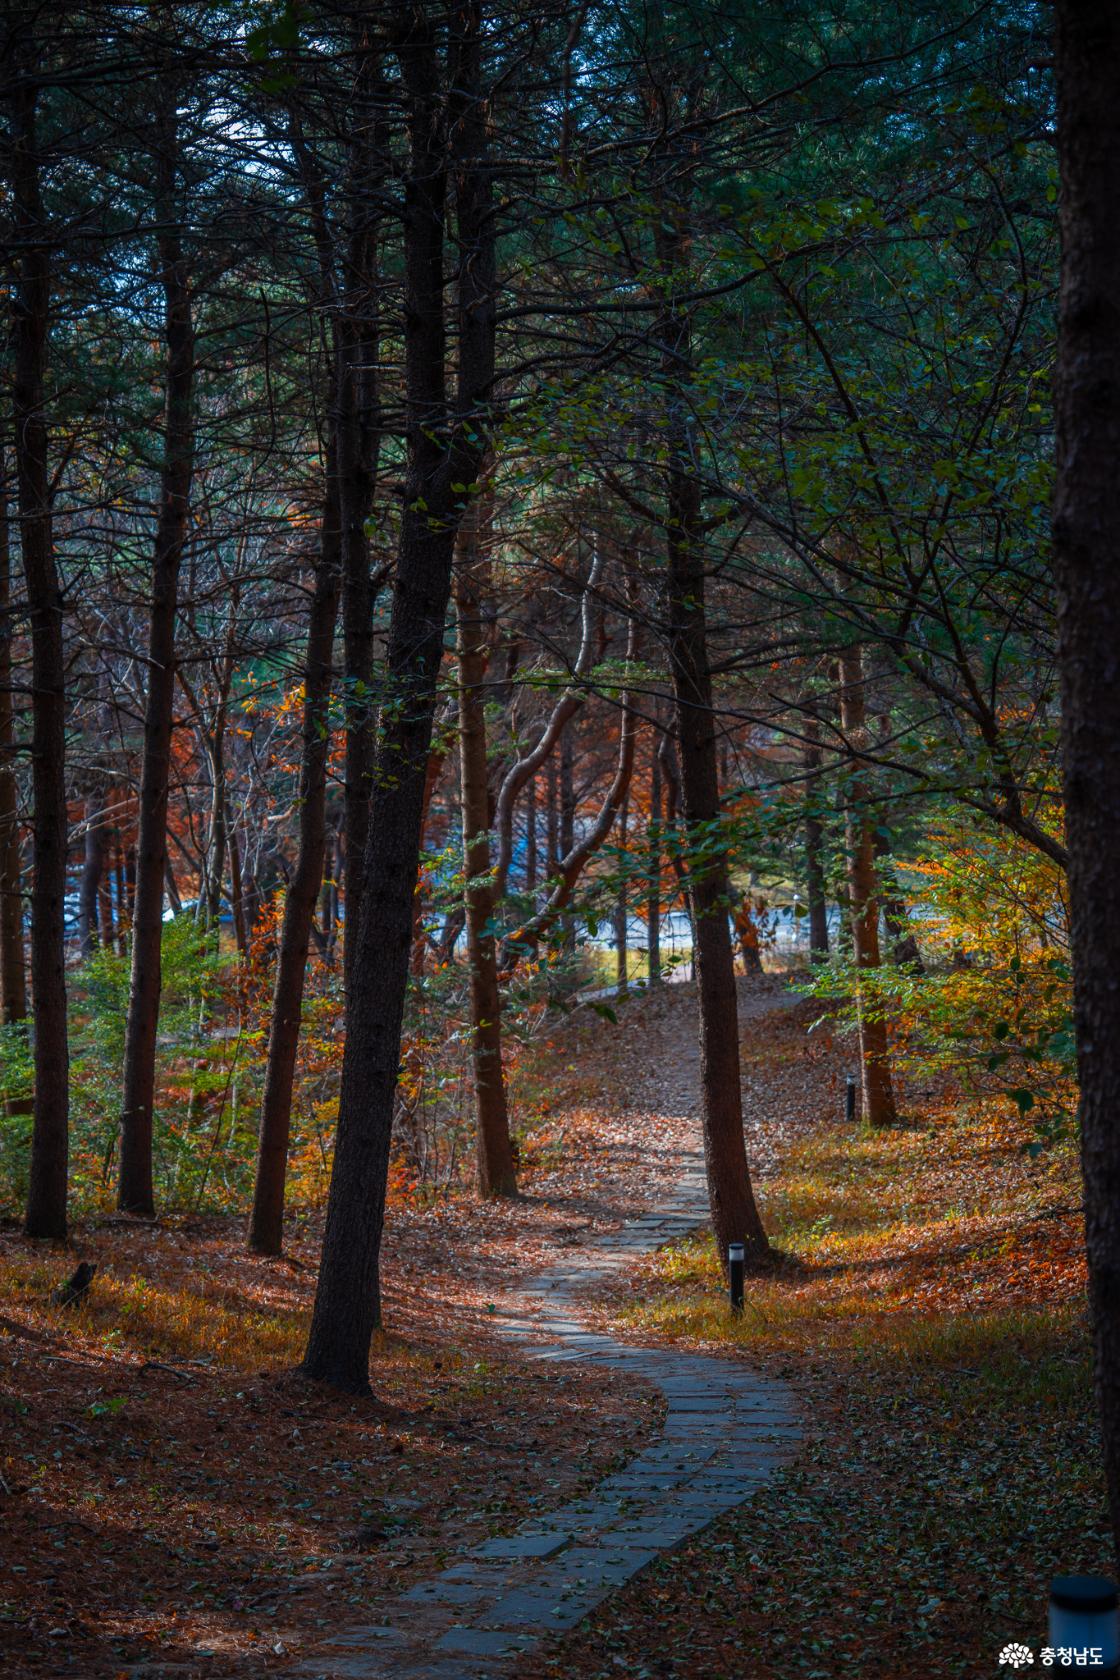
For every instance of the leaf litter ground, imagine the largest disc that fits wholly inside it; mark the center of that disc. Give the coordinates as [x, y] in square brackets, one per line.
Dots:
[173, 1496]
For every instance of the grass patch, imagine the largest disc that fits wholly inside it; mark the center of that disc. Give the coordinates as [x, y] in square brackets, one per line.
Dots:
[181, 1318]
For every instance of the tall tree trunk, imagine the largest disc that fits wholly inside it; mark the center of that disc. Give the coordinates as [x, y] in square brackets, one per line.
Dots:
[531, 865]
[674, 800]
[814, 849]
[358, 430]
[328, 896]
[566, 817]
[1087, 565]
[237, 896]
[266, 1224]
[358, 451]
[93, 870]
[437, 758]
[863, 900]
[13, 976]
[124, 909]
[497, 1174]
[46, 1202]
[445, 445]
[653, 888]
[106, 921]
[552, 819]
[620, 906]
[735, 1217]
[135, 1191]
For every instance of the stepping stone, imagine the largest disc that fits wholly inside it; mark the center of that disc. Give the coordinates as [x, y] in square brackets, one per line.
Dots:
[522, 1546]
[479, 1642]
[372, 1635]
[610, 1565]
[540, 1609]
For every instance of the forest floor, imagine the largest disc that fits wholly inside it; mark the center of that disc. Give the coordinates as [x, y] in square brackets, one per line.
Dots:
[172, 1496]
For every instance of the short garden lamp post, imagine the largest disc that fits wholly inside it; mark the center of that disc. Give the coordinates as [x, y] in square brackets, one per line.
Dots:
[1083, 1618]
[736, 1267]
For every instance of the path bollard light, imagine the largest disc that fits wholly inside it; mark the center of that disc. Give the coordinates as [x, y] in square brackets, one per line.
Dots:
[736, 1267]
[850, 1100]
[1083, 1618]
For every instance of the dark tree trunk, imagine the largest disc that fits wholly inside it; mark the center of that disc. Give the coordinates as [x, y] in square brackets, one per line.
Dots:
[735, 1217]
[13, 975]
[552, 820]
[863, 901]
[237, 896]
[172, 886]
[1087, 564]
[566, 816]
[620, 905]
[814, 851]
[93, 870]
[437, 758]
[531, 834]
[328, 896]
[266, 1224]
[653, 889]
[497, 1174]
[105, 919]
[31, 297]
[124, 908]
[674, 799]
[359, 435]
[135, 1191]
[445, 444]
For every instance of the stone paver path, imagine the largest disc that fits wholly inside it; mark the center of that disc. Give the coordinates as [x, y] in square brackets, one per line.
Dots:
[727, 1429]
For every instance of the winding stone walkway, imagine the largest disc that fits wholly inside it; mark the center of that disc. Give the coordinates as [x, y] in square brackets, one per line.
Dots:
[726, 1431]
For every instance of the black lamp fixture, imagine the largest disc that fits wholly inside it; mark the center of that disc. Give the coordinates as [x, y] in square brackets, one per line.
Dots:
[736, 1269]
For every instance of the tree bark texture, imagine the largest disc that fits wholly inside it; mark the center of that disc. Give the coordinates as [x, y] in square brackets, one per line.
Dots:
[31, 299]
[13, 972]
[359, 439]
[814, 849]
[653, 887]
[1087, 566]
[135, 1192]
[93, 870]
[497, 1174]
[735, 1216]
[445, 442]
[266, 1223]
[620, 906]
[863, 901]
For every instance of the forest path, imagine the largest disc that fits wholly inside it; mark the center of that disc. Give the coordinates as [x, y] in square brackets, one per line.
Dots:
[727, 1429]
